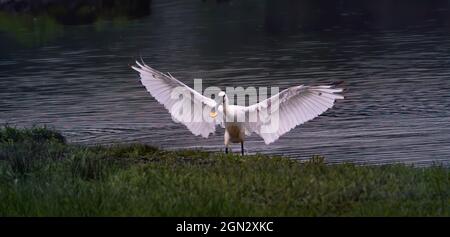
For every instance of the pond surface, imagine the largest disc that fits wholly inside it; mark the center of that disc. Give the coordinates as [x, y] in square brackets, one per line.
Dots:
[77, 79]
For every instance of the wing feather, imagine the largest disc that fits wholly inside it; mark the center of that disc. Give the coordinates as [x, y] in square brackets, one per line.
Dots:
[161, 87]
[296, 105]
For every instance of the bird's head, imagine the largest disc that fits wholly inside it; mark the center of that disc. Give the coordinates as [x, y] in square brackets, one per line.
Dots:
[221, 98]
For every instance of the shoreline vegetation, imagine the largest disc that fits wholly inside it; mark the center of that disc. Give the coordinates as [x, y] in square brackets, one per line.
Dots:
[43, 175]
[38, 22]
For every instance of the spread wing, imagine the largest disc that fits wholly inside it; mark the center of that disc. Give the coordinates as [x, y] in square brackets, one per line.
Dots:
[186, 105]
[291, 107]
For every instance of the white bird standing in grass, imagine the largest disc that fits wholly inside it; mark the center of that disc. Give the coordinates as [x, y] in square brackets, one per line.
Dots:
[289, 108]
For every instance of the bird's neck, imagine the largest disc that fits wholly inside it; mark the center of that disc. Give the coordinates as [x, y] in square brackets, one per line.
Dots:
[225, 105]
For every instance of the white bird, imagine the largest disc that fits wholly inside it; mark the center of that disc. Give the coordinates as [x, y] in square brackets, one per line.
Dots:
[289, 108]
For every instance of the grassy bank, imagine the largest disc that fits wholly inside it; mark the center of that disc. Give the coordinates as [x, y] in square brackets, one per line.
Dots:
[42, 175]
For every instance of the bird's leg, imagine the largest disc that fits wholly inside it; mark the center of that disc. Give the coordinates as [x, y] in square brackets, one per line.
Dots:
[226, 141]
[242, 148]
[227, 148]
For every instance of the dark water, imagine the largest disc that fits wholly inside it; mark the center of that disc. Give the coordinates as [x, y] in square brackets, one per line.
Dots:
[397, 74]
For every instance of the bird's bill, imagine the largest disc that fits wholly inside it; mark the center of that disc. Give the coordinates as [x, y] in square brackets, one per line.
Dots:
[213, 114]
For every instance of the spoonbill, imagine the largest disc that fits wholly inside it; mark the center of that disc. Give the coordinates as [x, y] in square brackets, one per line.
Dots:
[294, 106]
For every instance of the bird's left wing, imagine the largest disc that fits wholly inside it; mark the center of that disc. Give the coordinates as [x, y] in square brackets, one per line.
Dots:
[186, 105]
[275, 116]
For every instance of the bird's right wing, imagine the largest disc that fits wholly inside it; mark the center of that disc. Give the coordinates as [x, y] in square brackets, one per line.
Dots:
[275, 116]
[186, 105]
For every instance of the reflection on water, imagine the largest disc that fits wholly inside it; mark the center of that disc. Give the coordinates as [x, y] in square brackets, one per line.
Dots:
[397, 78]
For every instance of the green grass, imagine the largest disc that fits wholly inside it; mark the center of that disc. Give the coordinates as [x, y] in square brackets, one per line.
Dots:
[42, 175]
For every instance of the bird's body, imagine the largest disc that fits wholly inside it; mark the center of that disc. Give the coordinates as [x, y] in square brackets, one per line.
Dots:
[234, 133]
[269, 118]
[234, 130]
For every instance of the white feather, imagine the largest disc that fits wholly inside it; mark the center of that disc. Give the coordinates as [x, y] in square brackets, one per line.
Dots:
[297, 105]
[293, 106]
[161, 87]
